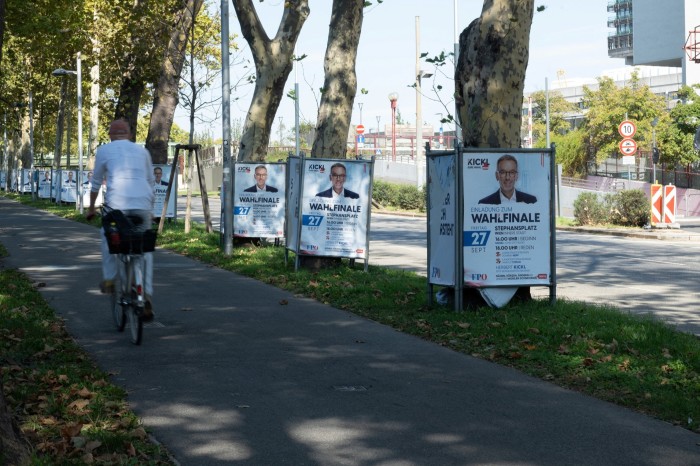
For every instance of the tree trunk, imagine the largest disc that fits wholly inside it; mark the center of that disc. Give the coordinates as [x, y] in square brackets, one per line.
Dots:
[2, 26]
[273, 63]
[167, 89]
[490, 74]
[340, 83]
[130, 101]
[490, 77]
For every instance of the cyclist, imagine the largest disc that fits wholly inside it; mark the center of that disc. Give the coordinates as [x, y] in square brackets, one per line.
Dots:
[128, 171]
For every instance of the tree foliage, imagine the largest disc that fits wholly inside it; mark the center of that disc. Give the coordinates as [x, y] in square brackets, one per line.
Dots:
[559, 109]
[609, 105]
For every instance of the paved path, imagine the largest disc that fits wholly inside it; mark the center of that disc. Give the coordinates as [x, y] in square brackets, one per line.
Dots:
[227, 375]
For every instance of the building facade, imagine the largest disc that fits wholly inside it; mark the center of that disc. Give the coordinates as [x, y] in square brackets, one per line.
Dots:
[654, 33]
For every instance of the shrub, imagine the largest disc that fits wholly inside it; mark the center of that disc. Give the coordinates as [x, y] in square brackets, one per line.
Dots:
[399, 196]
[383, 192]
[589, 209]
[630, 208]
[410, 198]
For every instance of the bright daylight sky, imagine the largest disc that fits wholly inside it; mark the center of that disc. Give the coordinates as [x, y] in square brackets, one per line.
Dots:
[568, 40]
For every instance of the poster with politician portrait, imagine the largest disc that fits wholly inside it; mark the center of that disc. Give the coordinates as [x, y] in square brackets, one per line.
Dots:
[506, 228]
[44, 183]
[161, 174]
[259, 200]
[69, 186]
[335, 208]
[26, 180]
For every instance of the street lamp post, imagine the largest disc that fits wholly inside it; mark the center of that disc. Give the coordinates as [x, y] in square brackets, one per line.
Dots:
[420, 74]
[77, 73]
[393, 98]
[654, 150]
[376, 138]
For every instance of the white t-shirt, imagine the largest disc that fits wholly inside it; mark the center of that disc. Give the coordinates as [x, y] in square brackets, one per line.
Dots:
[127, 169]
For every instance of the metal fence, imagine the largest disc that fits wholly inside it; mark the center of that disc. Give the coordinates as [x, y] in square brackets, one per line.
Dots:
[644, 170]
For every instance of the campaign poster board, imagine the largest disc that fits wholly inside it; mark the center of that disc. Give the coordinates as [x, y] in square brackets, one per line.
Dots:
[3, 177]
[293, 212]
[45, 176]
[507, 244]
[69, 185]
[86, 183]
[26, 180]
[160, 187]
[335, 225]
[259, 192]
[442, 215]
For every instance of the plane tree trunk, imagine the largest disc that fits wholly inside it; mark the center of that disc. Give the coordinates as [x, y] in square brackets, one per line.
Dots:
[340, 85]
[490, 74]
[167, 90]
[273, 63]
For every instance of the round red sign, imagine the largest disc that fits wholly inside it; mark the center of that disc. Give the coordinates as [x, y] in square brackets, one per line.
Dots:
[359, 129]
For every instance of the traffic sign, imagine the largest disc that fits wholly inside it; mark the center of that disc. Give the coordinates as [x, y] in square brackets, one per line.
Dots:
[359, 129]
[628, 146]
[627, 129]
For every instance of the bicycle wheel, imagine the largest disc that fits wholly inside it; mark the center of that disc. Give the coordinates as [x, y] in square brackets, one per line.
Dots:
[117, 305]
[133, 310]
[135, 322]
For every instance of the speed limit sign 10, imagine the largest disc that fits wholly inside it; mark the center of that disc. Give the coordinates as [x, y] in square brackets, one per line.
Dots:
[627, 129]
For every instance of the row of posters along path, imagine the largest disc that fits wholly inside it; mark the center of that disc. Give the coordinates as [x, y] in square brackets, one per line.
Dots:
[48, 186]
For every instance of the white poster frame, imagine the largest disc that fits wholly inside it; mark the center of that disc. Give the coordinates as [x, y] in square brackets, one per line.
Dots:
[348, 234]
[160, 189]
[259, 214]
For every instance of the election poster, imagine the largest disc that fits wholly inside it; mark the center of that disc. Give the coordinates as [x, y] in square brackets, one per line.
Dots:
[3, 177]
[442, 211]
[506, 226]
[259, 200]
[26, 180]
[335, 208]
[44, 183]
[69, 186]
[86, 183]
[161, 173]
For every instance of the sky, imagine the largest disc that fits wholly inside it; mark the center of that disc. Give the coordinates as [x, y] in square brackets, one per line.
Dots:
[568, 40]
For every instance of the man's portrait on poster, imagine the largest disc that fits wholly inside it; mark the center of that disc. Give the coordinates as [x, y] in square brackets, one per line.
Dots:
[507, 177]
[337, 189]
[158, 174]
[261, 182]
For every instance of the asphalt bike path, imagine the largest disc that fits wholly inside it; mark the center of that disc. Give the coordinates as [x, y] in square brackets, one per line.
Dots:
[233, 371]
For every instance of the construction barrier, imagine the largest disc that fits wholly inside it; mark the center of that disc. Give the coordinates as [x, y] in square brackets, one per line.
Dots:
[669, 204]
[656, 204]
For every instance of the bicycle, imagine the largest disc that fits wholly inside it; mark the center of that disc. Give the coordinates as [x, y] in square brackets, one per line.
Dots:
[129, 298]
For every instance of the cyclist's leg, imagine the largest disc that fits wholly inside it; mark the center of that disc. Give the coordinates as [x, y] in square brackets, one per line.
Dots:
[147, 218]
[109, 264]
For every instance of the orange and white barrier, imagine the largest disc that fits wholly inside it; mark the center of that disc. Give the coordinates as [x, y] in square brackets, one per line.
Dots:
[669, 204]
[656, 204]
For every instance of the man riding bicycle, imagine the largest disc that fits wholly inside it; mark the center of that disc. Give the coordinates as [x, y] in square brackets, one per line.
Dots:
[128, 171]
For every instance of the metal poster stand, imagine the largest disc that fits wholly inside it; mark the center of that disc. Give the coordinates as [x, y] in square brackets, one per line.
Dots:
[456, 277]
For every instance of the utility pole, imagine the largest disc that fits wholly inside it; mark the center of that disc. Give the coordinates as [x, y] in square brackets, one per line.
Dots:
[226, 134]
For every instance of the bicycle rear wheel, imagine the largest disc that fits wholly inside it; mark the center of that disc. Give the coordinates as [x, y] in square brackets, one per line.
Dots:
[135, 322]
[117, 306]
[134, 309]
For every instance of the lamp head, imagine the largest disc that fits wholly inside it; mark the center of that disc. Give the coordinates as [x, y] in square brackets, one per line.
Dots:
[393, 96]
[62, 72]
